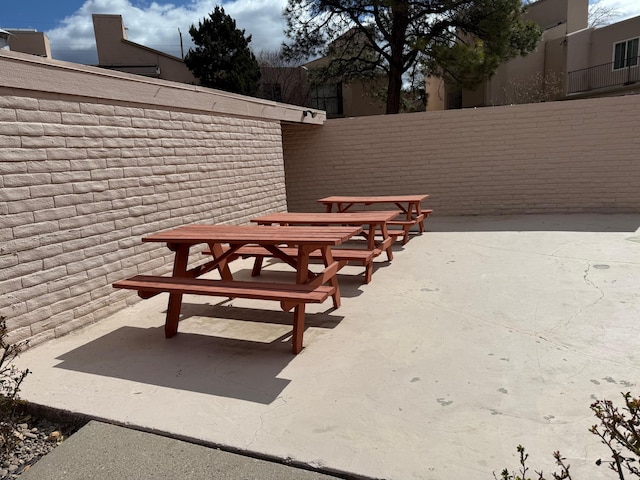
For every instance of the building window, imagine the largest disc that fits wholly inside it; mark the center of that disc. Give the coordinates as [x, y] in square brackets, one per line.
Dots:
[625, 54]
[328, 98]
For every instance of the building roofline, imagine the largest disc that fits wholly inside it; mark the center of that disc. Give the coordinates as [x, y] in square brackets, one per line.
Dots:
[24, 72]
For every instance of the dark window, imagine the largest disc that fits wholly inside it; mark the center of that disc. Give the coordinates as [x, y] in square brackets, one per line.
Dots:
[625, 54]
[328, 98]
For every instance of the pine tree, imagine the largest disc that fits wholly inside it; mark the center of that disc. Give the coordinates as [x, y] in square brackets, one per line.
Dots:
[463, 41]
[222, 58]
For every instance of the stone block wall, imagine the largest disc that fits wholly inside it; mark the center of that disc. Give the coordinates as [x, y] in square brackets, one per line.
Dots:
[91, 161]
[560, 157]
[83, 179]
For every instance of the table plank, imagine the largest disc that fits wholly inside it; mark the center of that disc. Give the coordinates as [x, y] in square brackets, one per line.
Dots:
[324, 218]
[368, 199]
[273, 235]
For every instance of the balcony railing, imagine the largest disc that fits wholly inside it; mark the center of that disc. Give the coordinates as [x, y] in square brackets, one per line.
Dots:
[602, 76]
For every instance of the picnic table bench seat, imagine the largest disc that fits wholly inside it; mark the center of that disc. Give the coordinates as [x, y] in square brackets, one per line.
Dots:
[289, 295]
[407, 224]
[283, 292]
[341, 255]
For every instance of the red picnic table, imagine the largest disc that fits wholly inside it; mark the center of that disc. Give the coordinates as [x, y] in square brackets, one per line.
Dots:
[410, 206]
[374, 222]
[309, 287]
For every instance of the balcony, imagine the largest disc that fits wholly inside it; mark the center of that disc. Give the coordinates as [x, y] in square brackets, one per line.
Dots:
[603, 76]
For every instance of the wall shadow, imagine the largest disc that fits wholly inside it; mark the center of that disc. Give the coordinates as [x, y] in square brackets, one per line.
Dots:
[349, 283]
[575, 222]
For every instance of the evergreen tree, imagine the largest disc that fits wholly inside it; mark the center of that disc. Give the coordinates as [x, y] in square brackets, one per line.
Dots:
[463, 41]
[222, 58]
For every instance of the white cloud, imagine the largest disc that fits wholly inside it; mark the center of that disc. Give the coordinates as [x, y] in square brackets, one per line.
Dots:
[157, 25]
[623, 8]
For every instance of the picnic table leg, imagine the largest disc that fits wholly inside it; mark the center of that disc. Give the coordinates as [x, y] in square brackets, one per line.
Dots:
[385, 236]
[418, 213]
[298, 328]
[302, 274]
[257, 266]
[175, 299]
[223, 267]
[327, 259]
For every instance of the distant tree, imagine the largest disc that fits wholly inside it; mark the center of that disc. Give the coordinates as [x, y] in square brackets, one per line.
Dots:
[534, 88]
[601, 15]
[463, 41]
[222, 58]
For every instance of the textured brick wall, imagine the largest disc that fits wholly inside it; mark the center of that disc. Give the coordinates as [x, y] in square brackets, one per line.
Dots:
[82, 180]
[573, 156]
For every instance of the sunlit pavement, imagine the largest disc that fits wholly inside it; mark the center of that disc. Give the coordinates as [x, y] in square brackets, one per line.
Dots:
[483, 333]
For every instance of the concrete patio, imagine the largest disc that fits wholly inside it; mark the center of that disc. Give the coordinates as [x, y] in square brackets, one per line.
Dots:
[482, 334]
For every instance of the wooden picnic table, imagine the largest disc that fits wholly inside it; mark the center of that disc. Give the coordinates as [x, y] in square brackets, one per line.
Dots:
[375, 223]
[309, 287]
[410, 206]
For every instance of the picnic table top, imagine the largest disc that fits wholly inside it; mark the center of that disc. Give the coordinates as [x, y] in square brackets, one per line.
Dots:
[374, 199]
[355, 218]
[271, 235]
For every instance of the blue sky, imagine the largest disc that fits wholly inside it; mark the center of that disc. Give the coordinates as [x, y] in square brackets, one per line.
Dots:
[155, 24]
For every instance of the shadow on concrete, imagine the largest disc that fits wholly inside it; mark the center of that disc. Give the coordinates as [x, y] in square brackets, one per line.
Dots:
[226, 309]
[533, 223]
[350, 278]
[225, 367]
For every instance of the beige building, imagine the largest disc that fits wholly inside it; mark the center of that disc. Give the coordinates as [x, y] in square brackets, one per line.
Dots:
[347, 99]
[26, 41]
[116, 52]
[572, 60]
[282, 84]
[340, 98]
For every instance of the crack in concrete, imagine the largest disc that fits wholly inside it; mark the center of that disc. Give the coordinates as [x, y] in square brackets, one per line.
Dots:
[261, 427]
[588, 281]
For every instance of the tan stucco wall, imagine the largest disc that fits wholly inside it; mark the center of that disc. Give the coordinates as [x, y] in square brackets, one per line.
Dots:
[91, 161]
[436, 93]
[511, 78]
[32, 42]
[547, 62]
[603, 39]
[579, 50]
[549, 14]
[578, 156]
[357, 101]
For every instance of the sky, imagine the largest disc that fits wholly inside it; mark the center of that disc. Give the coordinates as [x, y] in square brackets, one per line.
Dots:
[157, 24]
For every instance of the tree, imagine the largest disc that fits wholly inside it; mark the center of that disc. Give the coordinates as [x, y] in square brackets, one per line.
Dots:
[222, 58]
[463, 41]
[534, 88]
[601, 15]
